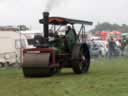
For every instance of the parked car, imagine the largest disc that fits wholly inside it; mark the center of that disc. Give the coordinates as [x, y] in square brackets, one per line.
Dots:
[125, 52]
[99, 48]
[117, 51]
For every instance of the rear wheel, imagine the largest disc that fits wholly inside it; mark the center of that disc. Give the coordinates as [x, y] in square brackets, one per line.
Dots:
[79, 66]
[82, 61]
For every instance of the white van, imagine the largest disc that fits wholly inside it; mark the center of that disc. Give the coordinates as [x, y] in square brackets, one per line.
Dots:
[12, 44]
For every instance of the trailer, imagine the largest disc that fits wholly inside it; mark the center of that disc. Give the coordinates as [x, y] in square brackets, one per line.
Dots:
[12, 45]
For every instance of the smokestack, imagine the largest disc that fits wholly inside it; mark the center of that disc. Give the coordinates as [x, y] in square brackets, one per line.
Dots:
[46, 25]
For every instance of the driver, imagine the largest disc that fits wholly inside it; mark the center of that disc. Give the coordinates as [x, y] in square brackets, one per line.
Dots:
[70, 38]
[68, 28]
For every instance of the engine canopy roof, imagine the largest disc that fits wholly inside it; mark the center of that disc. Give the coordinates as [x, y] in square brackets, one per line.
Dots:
[65, 21]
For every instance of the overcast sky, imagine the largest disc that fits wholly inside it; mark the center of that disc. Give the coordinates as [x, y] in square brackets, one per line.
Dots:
[28, 12]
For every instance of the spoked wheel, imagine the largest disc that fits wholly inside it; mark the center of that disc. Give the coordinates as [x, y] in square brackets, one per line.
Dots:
[82, 62]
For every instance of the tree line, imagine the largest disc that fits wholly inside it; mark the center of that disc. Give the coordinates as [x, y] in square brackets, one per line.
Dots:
[106, 26]
[14, 28]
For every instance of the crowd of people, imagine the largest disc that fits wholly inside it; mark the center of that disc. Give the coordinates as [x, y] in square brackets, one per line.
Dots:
[114, 47]
[117, 47]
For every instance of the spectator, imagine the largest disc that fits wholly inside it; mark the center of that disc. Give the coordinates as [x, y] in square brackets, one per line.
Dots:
[111, 46]
[126, 50]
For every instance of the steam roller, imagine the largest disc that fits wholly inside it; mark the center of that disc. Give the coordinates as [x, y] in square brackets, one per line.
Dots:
[60, 47]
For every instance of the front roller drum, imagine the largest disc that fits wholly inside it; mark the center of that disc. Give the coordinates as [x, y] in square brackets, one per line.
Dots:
[37, 72]
[37, 65]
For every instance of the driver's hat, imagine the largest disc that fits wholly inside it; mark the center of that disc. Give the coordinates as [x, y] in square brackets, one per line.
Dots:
[69, 25]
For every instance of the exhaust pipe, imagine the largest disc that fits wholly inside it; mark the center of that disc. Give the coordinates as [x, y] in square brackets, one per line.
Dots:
[45, 24]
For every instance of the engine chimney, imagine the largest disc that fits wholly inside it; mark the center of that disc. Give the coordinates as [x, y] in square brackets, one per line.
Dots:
[45, 24]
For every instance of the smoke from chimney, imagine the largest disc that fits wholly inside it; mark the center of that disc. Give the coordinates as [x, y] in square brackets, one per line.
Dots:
[52, 4]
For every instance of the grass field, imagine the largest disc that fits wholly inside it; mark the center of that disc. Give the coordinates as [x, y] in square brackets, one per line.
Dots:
[107, 77]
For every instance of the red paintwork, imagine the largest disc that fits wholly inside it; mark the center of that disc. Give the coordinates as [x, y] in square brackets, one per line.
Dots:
[105, 35]
[56, 19]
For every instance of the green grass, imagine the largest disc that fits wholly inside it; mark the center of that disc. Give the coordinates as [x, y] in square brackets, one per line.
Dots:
[107, 77]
